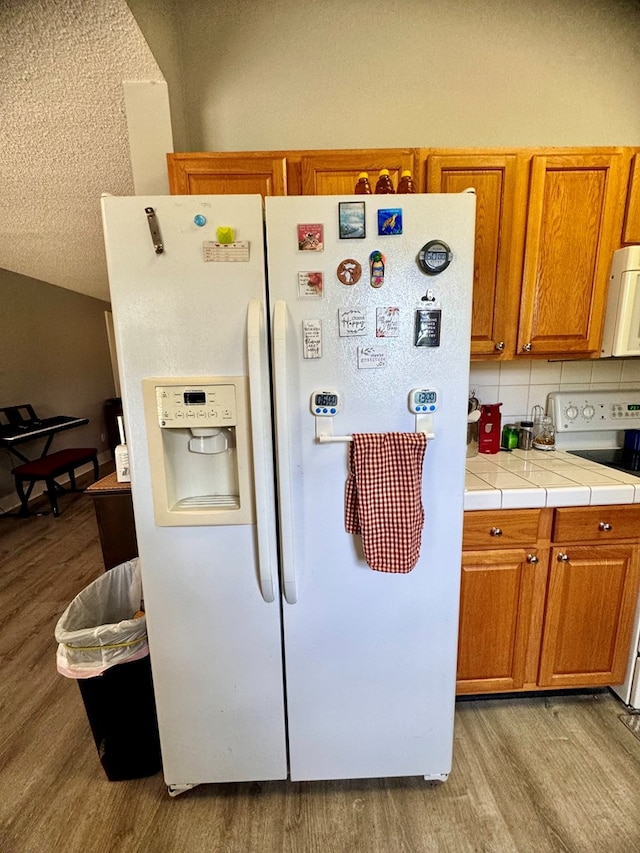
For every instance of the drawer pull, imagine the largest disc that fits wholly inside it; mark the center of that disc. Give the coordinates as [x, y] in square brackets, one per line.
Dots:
[496, 531]
[604, 526]
[563, 558]
[531, 558]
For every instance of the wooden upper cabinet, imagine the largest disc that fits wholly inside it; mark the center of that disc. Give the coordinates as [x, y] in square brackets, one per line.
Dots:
[228, 173]
[336, 172]
[631, 232]
[573, 224]
[500, 184]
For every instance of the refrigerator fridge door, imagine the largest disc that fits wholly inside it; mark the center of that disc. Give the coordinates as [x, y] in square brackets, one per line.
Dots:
[370, 656]
[191, 337]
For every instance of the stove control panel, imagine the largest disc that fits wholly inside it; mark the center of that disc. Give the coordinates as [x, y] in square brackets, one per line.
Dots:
[579, 411]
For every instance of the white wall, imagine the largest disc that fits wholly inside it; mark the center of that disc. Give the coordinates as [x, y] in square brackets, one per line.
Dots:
[521, 385]
[331, 74]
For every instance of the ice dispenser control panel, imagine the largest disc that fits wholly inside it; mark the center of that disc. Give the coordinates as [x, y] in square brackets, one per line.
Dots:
[205, 406]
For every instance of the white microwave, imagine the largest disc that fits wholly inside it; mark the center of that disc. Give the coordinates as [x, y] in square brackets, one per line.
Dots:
[621, 334]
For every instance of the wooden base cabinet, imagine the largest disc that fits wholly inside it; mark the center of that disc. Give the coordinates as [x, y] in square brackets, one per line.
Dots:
[555, 613]
[589, 615]
[495, 603]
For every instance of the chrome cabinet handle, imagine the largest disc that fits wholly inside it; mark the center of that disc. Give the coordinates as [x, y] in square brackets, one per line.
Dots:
[563, 558]
[495, 531]
[527, 347]
[604, 526]
[500, 346]
[531, 558]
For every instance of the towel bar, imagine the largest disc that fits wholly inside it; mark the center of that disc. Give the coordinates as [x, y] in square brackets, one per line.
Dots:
[327, 439]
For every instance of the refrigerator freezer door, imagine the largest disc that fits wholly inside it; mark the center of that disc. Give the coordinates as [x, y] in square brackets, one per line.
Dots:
[211, 593]
[370, 656]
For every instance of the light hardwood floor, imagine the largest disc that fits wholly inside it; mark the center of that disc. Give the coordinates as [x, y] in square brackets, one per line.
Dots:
[539, 774]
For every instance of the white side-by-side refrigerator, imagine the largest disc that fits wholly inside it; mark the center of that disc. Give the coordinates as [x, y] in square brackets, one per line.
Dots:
[252, 345]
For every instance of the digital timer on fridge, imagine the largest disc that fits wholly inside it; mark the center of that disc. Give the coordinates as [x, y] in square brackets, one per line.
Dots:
[325, 403]
[423, 400]
[434, 257]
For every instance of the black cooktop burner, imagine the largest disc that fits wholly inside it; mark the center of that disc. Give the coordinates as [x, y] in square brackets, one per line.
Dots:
[623, 460]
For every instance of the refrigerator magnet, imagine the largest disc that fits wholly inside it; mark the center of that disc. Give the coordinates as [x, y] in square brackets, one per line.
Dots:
[349, 271]
[311, 238]
[376, 268]
[427, 327]
[312, 338]
[371, 357]
[390, 221]
[351, 322]
[310, 285]
[387, 322]
[351, 220]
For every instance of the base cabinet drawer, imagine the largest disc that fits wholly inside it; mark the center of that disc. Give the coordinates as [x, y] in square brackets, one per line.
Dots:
[500, 529]
[597, 523]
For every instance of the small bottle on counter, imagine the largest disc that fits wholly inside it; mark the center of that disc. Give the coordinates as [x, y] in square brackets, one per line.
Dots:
[406, 184]
[383, 184]
[363, 187]
[525, 435]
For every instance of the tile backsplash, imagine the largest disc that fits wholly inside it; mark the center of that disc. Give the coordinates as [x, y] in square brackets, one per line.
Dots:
[521, 385]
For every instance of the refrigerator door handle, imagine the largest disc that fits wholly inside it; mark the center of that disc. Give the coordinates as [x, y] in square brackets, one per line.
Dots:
[266, 551]
[284, 469]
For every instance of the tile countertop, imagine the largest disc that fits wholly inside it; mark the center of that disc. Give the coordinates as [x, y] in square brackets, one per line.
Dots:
[523, 479]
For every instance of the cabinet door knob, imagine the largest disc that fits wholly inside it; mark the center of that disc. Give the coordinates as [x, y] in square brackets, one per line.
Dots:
[496, 531]
[531, 558]
[500, 346]
[563, 558]
[604, 526]
[527, 347]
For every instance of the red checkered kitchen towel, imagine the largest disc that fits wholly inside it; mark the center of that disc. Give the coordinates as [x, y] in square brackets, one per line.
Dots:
[383, 497]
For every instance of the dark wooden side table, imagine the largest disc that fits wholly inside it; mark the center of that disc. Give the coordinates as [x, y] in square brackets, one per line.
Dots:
[114, 514]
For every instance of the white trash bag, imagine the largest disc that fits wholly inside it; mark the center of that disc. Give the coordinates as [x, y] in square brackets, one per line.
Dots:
[98, 629]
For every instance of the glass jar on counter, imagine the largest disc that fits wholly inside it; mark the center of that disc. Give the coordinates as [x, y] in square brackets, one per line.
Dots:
[545, 439]
[525, 435]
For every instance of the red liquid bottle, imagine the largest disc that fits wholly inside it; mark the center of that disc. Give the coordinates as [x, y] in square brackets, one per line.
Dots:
[384, 184]
[406, 184]
[363, 187]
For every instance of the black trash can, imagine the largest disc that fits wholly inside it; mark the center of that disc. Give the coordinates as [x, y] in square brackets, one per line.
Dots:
[121, 709]
[102, 642]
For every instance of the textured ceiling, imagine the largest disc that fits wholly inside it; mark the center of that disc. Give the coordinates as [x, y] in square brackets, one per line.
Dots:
[63, 133]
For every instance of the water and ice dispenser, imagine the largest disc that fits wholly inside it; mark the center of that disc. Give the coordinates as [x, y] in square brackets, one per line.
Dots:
[199, 450]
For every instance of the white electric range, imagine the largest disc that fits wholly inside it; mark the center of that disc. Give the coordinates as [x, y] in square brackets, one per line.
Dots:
[596, 424]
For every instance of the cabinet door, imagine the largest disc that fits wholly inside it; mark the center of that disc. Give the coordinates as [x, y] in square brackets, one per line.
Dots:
[500, 184]
[495, 607]
[631, 233]
[336, 172]
[227, 173]
[591, 603]
[574, 219]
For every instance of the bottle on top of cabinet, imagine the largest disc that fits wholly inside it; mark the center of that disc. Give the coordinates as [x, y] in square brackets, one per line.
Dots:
[406, 183]
[383, 184]
[363, 187]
